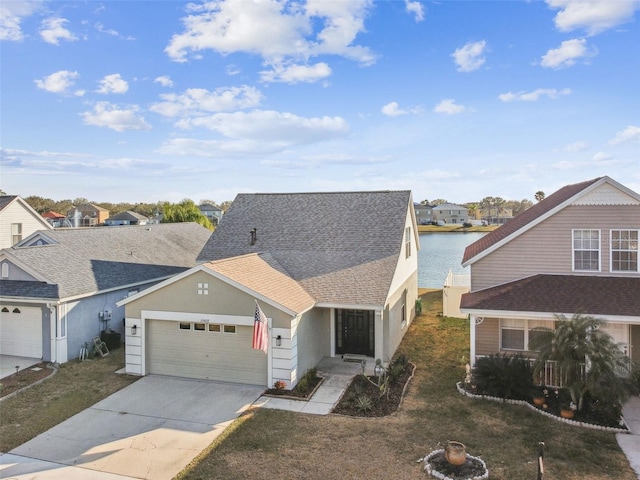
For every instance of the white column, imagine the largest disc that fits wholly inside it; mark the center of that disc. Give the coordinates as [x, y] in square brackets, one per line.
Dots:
[379, 336]
[472, 340]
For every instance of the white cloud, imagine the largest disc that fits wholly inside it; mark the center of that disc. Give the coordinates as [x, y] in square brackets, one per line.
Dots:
[59, 82]
[274, 127]
[325, 160]
[629, 134]
[575, 147]
[11, 16]
[164, 80]
[113, 84]
[393, 110]
[296, 73]
[534, 95]
[567, 54]
[52, 31]
[277, 31]
[470, 57]
[416, 8]
[602, 157]
[448, 106]
[108, 115]
[594, 16]
[199, 101]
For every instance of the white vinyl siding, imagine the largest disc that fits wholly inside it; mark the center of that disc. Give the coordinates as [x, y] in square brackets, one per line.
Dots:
[586, 250]
[624, 250]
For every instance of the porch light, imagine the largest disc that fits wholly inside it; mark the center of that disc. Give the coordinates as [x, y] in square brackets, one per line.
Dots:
[134, 330]
[278, 340]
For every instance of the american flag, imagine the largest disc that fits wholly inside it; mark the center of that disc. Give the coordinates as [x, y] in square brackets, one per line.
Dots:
[260, 330]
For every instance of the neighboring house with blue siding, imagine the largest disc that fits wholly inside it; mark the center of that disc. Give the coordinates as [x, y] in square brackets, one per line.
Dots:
[58, 286]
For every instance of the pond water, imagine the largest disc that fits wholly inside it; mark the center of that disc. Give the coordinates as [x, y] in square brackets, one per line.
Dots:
[440, 252]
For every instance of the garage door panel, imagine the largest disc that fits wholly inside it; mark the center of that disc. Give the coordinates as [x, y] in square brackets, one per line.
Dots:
[21, 333]
[204, 354]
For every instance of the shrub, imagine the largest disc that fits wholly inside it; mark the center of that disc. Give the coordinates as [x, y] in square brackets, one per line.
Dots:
[280, 385]
[364, 403]
[503, 375]
[467, 225]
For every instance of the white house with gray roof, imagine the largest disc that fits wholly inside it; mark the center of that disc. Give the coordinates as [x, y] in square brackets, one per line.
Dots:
[330, 278]
[59, 288]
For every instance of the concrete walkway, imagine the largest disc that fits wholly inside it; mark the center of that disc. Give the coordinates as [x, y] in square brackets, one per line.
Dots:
[337, 375]
[630, 444]
[10, 364]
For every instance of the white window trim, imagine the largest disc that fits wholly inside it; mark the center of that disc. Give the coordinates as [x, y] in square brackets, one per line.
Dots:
[573, 249]
[611, 250]
[525, 327]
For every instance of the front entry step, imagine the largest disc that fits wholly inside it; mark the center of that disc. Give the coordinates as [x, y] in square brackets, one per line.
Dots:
[352, 357]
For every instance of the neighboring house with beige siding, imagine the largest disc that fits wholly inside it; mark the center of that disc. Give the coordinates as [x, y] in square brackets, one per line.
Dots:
[574, 252]
[328, 284]
[18, 220]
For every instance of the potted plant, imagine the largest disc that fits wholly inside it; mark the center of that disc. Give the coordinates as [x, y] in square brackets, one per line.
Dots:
[455, 453]
[540, 397]
[567, 410]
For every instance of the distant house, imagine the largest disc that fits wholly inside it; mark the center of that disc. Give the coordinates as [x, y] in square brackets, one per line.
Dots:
[450, 213]
[59, 287]
[328, 284]
[424, 213]
[213, 213]
[126, 218]
[576, 251]
[18, 220]
[55, 219]
[87, 215]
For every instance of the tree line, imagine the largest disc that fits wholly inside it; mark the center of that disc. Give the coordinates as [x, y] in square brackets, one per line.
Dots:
[183, 211]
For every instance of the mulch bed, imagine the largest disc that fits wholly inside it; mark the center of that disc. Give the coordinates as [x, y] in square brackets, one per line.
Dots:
[381, 406]
[23, 378]
[302, 391]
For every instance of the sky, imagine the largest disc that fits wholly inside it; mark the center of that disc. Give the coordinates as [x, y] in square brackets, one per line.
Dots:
[146, 101]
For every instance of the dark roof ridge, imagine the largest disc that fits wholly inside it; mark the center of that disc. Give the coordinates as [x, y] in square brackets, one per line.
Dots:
[525, 218]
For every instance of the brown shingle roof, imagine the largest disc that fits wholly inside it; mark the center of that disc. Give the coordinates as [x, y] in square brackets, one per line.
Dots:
[590, 295]
[525, 218]
[262, 274]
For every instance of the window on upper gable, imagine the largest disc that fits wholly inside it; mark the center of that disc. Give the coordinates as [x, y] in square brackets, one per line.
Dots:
[586, 250]
[16, 233]
[5, 270]
[407, 242]
[203, 289]
[624, 250]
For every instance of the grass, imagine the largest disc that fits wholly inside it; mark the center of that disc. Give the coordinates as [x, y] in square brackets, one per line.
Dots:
[267, 444]
[76, 386]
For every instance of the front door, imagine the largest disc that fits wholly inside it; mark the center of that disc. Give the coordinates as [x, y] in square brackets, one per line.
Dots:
[355, 332]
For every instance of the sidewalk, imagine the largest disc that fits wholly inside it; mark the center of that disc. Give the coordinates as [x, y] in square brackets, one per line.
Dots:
[630, 443]
[337, 375]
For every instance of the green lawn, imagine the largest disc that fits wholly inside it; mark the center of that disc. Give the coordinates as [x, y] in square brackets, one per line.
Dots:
[268, 444]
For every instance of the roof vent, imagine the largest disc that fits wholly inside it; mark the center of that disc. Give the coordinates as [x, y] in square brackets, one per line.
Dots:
[254, 236]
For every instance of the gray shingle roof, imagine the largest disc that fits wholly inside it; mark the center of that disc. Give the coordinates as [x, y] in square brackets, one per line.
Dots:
[6, 200]
[128, 215]
[590, 295]
[87, 260]
[342, 247]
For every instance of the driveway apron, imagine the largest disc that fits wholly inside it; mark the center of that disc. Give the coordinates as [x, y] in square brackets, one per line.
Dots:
[151, 429]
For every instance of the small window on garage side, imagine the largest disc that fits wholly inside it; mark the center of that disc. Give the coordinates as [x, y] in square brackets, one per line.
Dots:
[16, 310]
[185, 326]
[215, 327]
[229, 329]
[200, 327]
[203, 289]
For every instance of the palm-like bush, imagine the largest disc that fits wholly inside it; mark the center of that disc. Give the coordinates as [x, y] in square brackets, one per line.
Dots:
[503, 375]
[588, 359]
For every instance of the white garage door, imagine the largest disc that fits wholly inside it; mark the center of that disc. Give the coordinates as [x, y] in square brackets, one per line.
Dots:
[205, 351]
[21, 331]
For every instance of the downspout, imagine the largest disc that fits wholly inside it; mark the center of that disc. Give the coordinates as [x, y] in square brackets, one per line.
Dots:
[472, 340]
[53, 327]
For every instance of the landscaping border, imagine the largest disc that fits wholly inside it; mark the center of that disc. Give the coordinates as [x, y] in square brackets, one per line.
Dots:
[434, 473]
[51, 366]
[293, 397]
[542, 412]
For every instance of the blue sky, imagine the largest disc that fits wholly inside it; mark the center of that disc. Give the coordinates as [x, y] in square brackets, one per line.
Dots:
[162, 100]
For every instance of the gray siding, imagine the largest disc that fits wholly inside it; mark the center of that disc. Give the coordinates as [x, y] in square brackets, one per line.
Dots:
[16, 273]
[314, 339]
[547, 247]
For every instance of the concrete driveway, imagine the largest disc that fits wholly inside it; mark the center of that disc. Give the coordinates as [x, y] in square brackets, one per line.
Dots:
[151, 429]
